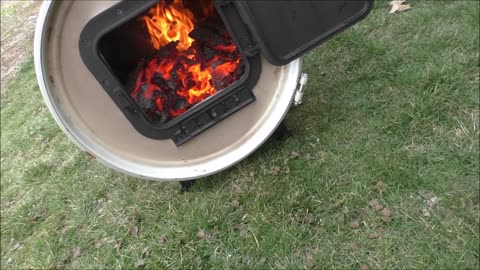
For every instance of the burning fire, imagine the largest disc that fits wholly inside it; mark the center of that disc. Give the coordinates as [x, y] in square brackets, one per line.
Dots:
[170, 23]
[192, 62]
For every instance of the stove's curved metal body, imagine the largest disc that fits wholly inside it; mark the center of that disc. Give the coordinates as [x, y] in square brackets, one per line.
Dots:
[89, 117]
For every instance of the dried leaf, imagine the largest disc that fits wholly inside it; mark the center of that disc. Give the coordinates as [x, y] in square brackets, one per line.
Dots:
[338, 203]
[77, 252]
[41, 212]
[386, 212]
[376, 205]
[246, 259]
[405, 7]
[307, 156]
[305, 218]
[242, 228]
[276, 170]
[17, 245]
[98, 243]
[117, 244]
[293, 155]
[134, 230]
[162, 239]
[139, 263]
[373, 235]
[381, 186]
[286, 168]
[364, 267]
[64, 230]
[341, 218]
[237, 191]
[309, 259]
[145, 252]
[432, 201]
[235, 203]
[355, 246]
[354, 224]
[202, 234]
[398, 6]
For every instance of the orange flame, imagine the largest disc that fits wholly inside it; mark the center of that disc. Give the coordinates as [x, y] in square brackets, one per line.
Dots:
[183, 70]
[167, 23]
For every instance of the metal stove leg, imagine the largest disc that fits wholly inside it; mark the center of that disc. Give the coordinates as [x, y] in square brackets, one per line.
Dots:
[187, 185]
[281, 133]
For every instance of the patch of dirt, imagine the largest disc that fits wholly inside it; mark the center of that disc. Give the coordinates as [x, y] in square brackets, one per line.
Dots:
[17, 30]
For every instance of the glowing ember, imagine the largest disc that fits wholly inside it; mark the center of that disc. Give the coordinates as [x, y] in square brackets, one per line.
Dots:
[193, 60]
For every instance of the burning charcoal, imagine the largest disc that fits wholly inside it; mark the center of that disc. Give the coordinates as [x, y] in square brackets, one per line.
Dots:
[190, 83]
[189, 62]
[208, 65]
[158, 98]
[180, 103]
[158, 80]
[170, 95]
[218, 83]
[143, 89]
[208, 53]
[165, 50]
[175, 76]
[171, 85]
[140, 98]
[160, 117]
[215, 64]
[202, 33]
[145, 104]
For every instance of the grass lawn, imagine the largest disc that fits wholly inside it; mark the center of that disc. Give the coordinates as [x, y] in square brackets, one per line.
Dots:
[390, 120]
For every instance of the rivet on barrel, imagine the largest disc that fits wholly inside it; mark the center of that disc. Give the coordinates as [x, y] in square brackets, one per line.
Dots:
[213, 113]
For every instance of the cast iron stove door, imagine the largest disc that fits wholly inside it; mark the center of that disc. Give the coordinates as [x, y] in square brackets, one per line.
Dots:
[283, 30]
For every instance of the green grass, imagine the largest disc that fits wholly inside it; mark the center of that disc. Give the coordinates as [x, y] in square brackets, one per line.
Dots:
[391, 114]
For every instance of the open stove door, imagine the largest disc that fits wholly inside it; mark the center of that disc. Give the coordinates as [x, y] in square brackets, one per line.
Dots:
[283, 30]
